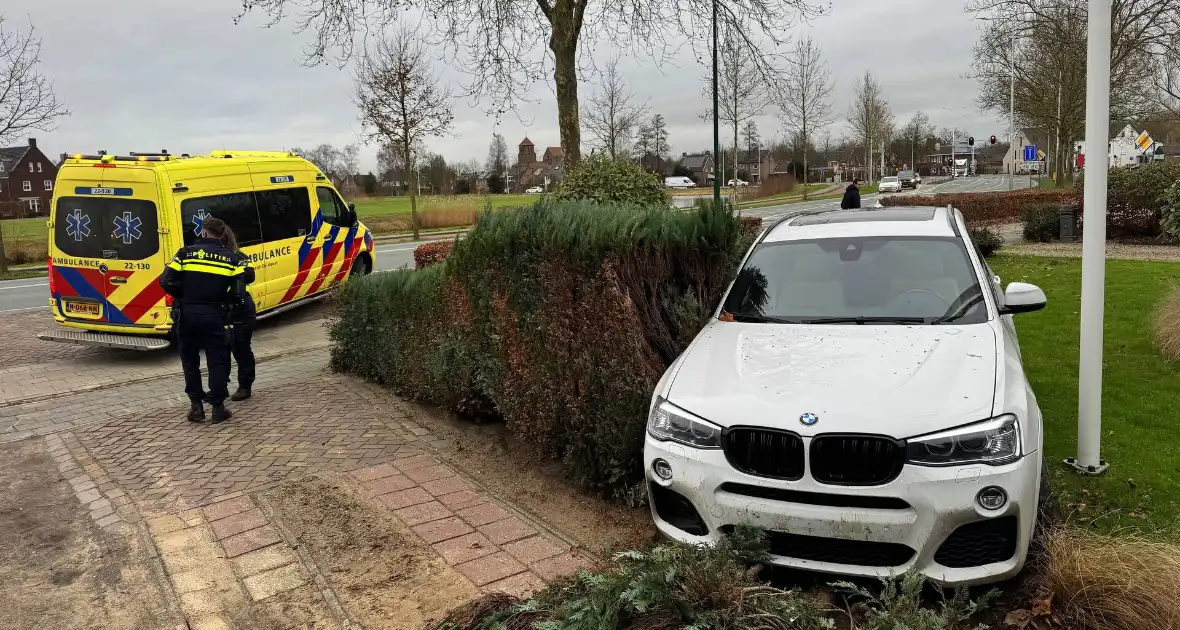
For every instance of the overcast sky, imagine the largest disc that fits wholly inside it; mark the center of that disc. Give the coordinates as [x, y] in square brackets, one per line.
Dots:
[144, 75]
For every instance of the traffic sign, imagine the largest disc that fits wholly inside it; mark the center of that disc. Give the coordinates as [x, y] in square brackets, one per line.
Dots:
[1143, 141]
[1030, 153]
[1040, 155]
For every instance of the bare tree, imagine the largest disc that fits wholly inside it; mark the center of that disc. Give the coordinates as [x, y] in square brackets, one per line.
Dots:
[27, 100]
[495, 42]
[916, 131]
[339, 165]
[659, 140]
[750, 136]
[497, 163]
[870, 117]
[401, 101]
[643, 143]
[1042, 45]
[611, 117]
[741, 88]
[389, 161]
[807, 95]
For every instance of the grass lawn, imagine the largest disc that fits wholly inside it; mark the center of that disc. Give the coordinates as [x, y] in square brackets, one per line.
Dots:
[385, 206]
[20, 274]
[1140, 392]
[17, 229]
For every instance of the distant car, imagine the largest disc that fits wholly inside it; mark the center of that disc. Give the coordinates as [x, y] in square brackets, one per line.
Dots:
[889, 184]
[737, 183]
[679, 182]
[535, 190]
[909, 179]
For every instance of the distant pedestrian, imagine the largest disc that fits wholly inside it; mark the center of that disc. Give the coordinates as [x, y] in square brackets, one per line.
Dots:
[244, 317]
[204, 282]
[851, 198]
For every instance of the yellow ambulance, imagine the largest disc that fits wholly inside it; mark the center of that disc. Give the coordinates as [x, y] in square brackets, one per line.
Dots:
[117, 220]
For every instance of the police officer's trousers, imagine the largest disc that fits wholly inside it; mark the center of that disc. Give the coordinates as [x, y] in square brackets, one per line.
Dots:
[242, 352]
[204, 329]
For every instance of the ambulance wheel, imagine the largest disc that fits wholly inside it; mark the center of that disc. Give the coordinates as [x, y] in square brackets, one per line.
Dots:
[361, 266]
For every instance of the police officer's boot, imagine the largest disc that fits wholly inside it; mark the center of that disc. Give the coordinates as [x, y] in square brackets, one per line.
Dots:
[220, 414]
[197, 412]
[242, 394]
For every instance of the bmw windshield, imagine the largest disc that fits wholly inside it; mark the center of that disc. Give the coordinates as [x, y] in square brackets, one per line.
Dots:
[894, 279]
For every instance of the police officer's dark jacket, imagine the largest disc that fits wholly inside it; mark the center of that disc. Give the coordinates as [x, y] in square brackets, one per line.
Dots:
[205, 273]
[243, 308]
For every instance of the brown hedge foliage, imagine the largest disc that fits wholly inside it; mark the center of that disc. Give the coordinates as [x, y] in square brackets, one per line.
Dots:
[986, 208]
[561, 318]
[431, 253]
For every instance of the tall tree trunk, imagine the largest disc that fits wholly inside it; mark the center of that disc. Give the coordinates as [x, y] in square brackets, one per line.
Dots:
[413, 193]
[3, 256]
[564, 44]
[735, 162]
[805, 172]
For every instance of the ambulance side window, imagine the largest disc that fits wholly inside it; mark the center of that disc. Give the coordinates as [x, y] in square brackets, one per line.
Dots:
[332, 208]
[285, 213]
[238, 210]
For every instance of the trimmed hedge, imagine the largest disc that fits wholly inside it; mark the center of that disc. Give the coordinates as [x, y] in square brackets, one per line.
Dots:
[560, 318]
[1042, 223]
[1136, 198]
[987, 240]
[604, 180]
[997, 207]
[431, 253]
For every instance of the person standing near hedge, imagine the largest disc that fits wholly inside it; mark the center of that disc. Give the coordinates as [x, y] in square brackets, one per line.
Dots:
[851, 198]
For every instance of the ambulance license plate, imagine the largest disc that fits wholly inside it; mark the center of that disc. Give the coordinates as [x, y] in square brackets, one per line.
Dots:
[89, 309]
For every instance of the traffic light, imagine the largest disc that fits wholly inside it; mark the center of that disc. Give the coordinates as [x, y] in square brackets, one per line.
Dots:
[992, 140]
[971, 141]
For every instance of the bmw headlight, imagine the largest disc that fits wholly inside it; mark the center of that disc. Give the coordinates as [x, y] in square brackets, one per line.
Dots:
[667, 422]
[994, 442]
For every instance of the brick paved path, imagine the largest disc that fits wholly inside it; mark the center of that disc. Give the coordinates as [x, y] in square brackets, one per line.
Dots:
[198, 491]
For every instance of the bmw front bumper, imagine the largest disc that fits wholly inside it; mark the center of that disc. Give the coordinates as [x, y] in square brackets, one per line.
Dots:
[926, 519]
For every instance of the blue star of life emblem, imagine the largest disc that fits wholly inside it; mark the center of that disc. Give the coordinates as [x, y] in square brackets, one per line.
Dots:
[199, 221]
[127, 228]
[808, 419]
[78, 225]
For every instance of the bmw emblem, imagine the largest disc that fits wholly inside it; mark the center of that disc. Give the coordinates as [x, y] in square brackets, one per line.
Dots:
[808, 419]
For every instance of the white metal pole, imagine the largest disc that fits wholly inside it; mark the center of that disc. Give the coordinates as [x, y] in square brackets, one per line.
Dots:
[1012, 116]
[954, 140]
[1094, 243]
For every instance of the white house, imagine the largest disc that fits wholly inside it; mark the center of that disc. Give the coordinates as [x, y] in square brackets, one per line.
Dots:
[1022, 166]
[1122, 150]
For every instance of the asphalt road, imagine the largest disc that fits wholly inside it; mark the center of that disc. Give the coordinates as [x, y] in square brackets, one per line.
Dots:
[33, 293]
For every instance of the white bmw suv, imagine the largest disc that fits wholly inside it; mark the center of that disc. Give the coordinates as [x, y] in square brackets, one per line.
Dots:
[860, 396]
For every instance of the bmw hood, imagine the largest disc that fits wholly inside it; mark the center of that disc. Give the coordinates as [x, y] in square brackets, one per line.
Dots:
[899, 381]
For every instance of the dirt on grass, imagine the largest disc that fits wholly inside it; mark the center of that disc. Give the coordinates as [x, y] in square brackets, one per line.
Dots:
[490, 455]
[58, 569]
[382, 573]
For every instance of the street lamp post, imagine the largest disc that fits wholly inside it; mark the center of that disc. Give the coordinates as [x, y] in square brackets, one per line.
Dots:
[716, 128]
[1088, 460]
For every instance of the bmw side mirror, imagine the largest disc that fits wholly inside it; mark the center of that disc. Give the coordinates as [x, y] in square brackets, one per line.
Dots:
[1022, 297]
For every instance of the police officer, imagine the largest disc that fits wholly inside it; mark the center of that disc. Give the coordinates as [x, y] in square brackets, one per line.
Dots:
[204, 282]
[244, 317]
